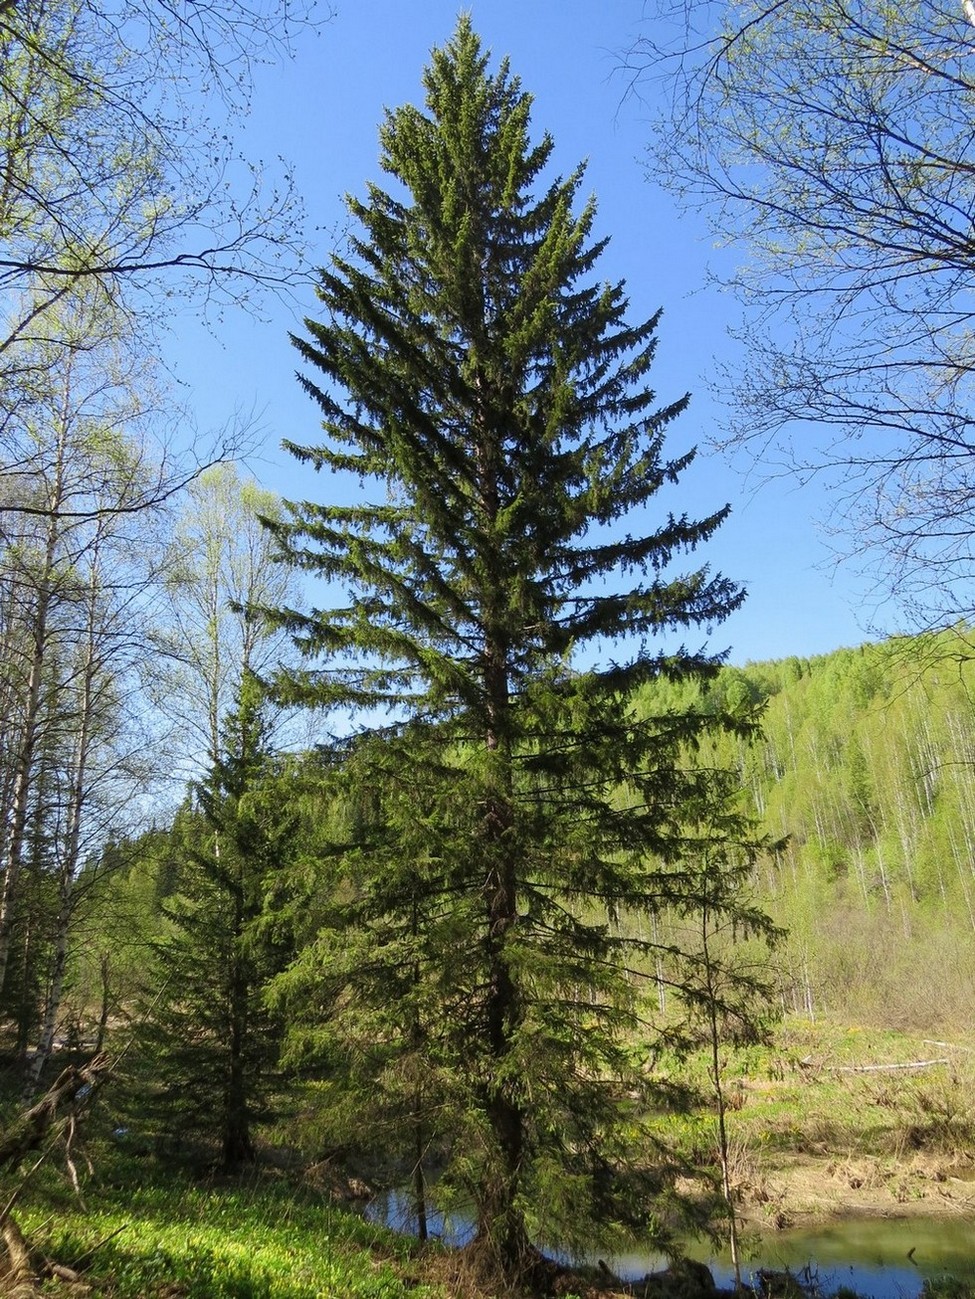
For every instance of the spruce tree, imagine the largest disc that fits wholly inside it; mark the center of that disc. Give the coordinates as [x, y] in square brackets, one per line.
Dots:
[491, 397]
[217, 1042]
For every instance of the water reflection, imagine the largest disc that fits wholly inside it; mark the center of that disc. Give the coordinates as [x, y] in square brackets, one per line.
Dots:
[879, 1258]
[883, 1258]
[395, 1209]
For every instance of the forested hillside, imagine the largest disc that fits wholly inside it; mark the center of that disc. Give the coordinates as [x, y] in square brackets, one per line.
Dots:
[866, 769]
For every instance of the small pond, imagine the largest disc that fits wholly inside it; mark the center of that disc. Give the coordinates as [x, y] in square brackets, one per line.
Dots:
[880, 1258]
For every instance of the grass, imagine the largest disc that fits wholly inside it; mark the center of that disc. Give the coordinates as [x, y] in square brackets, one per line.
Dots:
[948, 1288]
[812, 1130]
[818, 1089]
[172, 1237]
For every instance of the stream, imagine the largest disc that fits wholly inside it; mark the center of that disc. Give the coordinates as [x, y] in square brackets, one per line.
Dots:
[868, 1255]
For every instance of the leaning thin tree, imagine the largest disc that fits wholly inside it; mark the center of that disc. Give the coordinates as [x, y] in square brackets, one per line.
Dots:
[493, 397]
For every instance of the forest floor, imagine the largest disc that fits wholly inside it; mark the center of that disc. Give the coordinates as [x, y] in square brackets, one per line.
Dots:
[826, 1121]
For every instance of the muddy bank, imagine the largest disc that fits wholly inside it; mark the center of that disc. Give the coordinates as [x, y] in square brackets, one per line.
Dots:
[800, 1190]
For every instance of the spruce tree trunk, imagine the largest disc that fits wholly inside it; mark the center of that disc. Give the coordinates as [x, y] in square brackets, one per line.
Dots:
[712, 1000]
[238, 1145]
[419, 1184]
[500, 1223]
[419, 1151]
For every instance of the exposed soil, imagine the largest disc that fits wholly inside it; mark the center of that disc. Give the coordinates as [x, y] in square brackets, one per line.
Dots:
[801, 1190]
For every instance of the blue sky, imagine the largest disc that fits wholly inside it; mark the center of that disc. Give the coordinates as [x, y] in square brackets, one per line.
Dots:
[322, 111]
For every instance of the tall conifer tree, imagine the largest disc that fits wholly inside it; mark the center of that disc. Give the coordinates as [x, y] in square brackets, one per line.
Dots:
[492, 399]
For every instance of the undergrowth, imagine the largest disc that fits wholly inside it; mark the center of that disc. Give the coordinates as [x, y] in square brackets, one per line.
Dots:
[254, 1239]
[143, 1229]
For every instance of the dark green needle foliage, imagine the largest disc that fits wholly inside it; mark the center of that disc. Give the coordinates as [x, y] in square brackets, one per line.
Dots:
[490, 396]
[216, 1041]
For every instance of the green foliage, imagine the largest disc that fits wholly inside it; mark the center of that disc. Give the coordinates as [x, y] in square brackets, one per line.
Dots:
[864, 775]
[946, 1287]
[262, 1240]
[215, 1040]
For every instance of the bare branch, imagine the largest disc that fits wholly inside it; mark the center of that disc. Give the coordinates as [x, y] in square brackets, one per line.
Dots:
[835, 140]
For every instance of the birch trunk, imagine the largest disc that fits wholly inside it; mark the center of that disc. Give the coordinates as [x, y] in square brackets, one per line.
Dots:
[25, 752]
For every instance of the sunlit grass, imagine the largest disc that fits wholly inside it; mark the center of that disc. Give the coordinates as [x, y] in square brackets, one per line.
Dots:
[262, 1241]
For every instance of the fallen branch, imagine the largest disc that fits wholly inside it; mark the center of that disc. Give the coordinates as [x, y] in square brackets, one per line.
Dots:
[96, 1247]
[877, 1068]
[70, 1092]
[18, 1278]
[28, 1132]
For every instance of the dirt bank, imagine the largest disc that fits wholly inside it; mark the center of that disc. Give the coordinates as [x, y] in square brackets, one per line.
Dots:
[799, 1190]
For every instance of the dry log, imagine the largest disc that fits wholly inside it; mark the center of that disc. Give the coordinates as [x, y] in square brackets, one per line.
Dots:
[62, 1273]
[879, 1068]
[18, 1274]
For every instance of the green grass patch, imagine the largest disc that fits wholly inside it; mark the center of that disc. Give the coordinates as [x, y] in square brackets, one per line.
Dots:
[260, 1240]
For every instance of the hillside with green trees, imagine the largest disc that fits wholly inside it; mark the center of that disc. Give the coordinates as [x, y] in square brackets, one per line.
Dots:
[865, 769]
